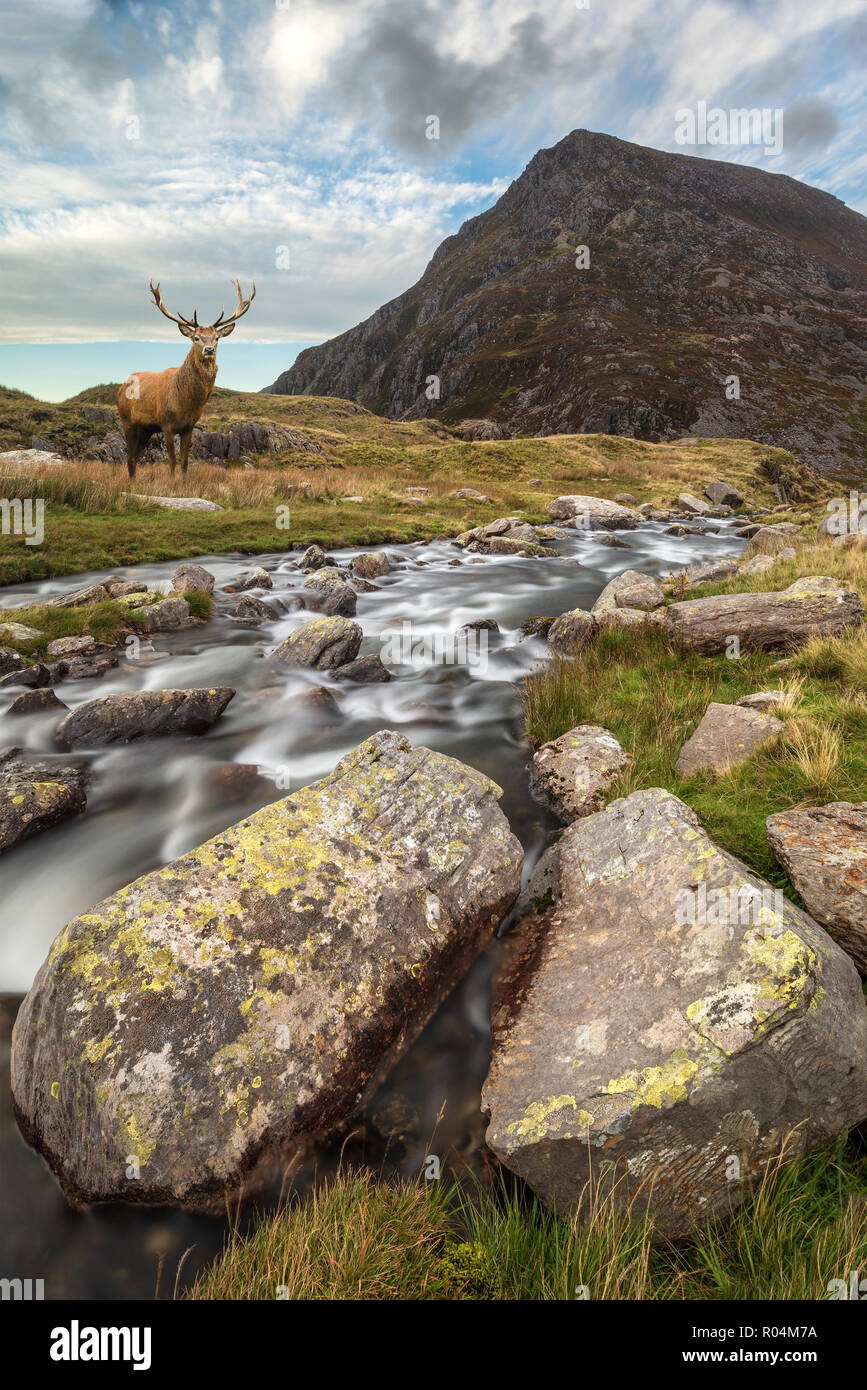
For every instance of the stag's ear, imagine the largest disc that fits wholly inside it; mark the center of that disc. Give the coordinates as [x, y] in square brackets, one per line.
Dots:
[224, 332]
[187, 331]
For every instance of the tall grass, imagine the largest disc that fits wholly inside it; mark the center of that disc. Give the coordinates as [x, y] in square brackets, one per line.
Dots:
[357, 1238]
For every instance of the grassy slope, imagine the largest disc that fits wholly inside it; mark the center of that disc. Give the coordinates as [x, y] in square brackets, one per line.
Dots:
[90, 524]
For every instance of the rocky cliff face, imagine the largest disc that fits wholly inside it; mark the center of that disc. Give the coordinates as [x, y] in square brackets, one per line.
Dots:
[699, 271]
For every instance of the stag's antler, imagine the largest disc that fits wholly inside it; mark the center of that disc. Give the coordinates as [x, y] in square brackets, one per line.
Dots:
[188, 323]
[242, 307]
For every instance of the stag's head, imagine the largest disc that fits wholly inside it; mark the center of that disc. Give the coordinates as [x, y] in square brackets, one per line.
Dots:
[204, 339]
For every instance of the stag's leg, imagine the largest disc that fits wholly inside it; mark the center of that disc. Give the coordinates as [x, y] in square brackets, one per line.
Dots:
[169, 437]
[186, 439]
[133, 438]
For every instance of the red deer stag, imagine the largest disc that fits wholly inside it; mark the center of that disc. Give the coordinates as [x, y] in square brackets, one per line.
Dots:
[173, 400]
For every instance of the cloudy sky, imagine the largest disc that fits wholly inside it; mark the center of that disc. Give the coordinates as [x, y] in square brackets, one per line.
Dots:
[286, 141]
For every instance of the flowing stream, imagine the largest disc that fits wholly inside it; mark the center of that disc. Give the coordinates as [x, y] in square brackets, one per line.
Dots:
[151, 802]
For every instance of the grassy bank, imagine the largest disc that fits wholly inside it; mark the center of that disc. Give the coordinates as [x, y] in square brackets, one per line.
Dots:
[359, 1238]
[652, 696]
[92, 523]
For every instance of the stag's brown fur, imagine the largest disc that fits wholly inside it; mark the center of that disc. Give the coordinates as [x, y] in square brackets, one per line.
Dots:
[173, 400]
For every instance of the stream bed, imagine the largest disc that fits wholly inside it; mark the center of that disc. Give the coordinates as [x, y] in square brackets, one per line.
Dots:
[152, 801]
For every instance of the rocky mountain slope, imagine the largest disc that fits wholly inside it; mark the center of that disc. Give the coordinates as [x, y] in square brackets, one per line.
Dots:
[698, 271]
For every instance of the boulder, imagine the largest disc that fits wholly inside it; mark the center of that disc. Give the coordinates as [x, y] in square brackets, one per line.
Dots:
[614, 542]
[668, 1013]
[18, 632]
[192, 579]
[593, 513]
[626, 499]
[823, 849]
[250, 612]
[323, 643]
[371, 565]
[335, 597]
[694, 505]
[31, 677]
[571, 774]
[236, 1002]
[167, 615]
[142, 714]
[770, 540]
[176, 504]
[571, 631]
[367, 670]
[724, 494]
[509, 545]
[727, 734]
[471, 494]
[88, 665]
[313, 558]
[757, 564]
[10, 661]
[122, 588]
[764, 700]
[36, 793]
[631, 589]
[257, 579]
[70, 646]
[818, 606]
[77, 598]
[711, 571]
[36, 702]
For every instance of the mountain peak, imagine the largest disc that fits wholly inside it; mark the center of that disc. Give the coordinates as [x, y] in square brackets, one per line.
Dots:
[625, 290]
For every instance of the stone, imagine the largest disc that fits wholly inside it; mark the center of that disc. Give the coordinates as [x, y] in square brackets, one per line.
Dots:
[18, 632]
[480, 625]
[571, 774]
[36, 702]
[692, 504]
[727, 734]
[371, 565]
[507, 545]
[668, 1010]
[32, 677]
[250, 612]
[724, 494]
[538, 626]
[823, 849]
[613, 542]
[89, 665]
[367, 670]
[167, 615]
[142, 714]
[571, 631]
[593, 513]
[121, 588]
[335, 597]
[237, 1002]
[471, 494]
[35, 794]
[313, 558]
[322, 643]
[78, 598]
[631, 589]
[70, 646]
[770, 540]
[764, 700]
[176, 504]
[10, 661]
[258, 579]
[192, 579]
[318, 699]
[757, 564]
[818, 606]
[626, 499]
[711, 571]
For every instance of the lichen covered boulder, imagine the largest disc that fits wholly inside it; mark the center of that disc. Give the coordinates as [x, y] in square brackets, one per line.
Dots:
[35, 794]
[571, 632]
[237, 1001]
[824, 851]
[322, 644]
[670, 1022]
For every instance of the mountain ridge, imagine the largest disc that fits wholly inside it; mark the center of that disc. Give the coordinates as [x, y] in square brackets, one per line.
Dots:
[700, 270]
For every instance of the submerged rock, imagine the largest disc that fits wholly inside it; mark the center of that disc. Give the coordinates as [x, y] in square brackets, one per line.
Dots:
[36, 793]
[142, 714]
[371, 565]
[365, 669]
[237, 1001]
[670, 1021]
[192, 579]
[336, 598]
